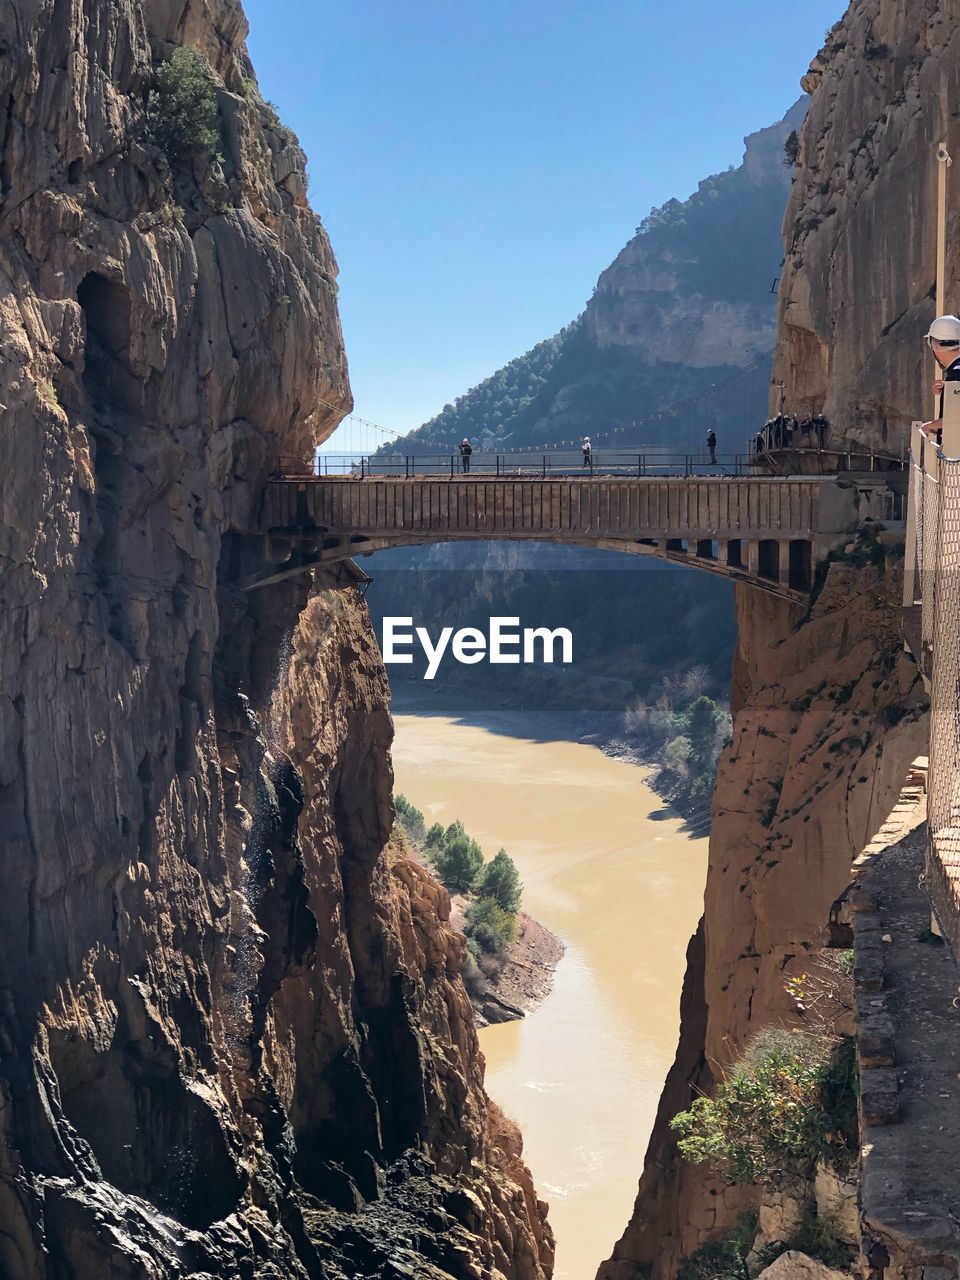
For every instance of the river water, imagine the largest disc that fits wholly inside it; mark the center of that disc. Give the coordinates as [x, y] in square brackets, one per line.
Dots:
[623, 888]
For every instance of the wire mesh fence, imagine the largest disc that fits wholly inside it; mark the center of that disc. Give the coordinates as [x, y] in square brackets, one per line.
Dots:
[932, 582]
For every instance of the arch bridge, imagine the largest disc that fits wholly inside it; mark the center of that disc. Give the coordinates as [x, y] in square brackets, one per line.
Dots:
[769, 531]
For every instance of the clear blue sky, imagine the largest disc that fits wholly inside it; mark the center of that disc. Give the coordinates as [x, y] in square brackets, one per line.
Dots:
[479, 162]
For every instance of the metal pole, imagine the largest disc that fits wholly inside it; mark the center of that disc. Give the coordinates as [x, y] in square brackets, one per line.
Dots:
[943, 164]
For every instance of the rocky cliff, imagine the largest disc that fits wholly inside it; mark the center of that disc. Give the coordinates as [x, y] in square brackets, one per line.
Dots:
[860, 229]
[233, 1036]
[827, 712]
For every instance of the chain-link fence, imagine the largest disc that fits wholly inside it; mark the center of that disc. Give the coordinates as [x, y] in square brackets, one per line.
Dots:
[932, 590]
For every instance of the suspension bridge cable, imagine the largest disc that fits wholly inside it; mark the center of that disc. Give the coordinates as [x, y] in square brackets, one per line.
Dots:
[638, 423]
[667, 410]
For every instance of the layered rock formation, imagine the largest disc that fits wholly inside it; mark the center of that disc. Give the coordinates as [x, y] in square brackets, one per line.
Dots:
[860, 230]
[233, 1036]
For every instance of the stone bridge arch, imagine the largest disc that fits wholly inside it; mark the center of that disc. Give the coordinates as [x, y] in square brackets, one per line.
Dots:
[767, 531]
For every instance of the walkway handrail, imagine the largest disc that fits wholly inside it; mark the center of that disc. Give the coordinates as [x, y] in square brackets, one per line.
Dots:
[644, 462]
[566, 464]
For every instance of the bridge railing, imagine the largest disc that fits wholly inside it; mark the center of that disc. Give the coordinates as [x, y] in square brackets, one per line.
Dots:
[646, 462]
[932, 626]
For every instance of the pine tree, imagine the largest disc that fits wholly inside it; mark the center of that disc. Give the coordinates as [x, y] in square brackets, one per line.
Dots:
[501, 881]
[459, 863]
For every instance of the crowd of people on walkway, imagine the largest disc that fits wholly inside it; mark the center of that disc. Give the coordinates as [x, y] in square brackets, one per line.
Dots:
[787, 431]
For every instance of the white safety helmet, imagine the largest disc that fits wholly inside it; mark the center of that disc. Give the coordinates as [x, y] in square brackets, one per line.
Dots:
[944, 329]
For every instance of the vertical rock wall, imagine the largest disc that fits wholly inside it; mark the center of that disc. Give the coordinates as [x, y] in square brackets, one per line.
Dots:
[857, 292]
[827, 713]
[233, 1038]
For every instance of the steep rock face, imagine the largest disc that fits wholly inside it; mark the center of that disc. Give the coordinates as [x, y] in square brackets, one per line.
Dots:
[860, 228]
[855, 298]
[693, 286]
[233, 1038]
[827, 714]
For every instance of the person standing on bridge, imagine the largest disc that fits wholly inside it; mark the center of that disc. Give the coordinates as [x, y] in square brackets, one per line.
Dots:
[466, 449]
[943, 338]
[712, 446]
[587, 453]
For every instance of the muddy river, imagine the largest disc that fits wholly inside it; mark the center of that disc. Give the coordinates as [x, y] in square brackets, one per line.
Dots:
[609, 871]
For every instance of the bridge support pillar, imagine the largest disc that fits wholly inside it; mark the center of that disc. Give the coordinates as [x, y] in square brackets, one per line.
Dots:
[753, 558]
[731, 553]
[783, 560]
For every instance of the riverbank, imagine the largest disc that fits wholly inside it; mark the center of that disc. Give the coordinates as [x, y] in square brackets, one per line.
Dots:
[601, 729]
[612, 872]
[517, 982]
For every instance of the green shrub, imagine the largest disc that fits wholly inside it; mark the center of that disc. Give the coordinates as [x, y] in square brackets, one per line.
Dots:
[677, 752]
[703, 721]
[816, 1237]
[435, 837]
[182, 106]
[723, 1259]
[501, 881]
[789, 1101]
[489, 926]
[930, 938]
[470, 971]
[715, 1260]
[411, 819]
[459, 863]
[702, 789]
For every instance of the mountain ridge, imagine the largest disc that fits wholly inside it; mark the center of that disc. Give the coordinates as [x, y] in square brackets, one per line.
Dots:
[690, 279]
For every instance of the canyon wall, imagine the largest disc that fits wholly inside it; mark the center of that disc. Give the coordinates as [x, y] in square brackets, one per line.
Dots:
[828, 712]
[233, 1036]
[857, 291]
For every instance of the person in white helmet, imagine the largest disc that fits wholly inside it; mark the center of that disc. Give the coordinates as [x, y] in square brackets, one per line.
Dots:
[587, 449]
[943, 338]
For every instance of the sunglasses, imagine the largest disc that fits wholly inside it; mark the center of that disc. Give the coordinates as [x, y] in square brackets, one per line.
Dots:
[944, 342]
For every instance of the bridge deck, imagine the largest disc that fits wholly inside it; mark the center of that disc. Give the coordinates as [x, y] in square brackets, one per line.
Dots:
[768, 530]
[487, 506]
